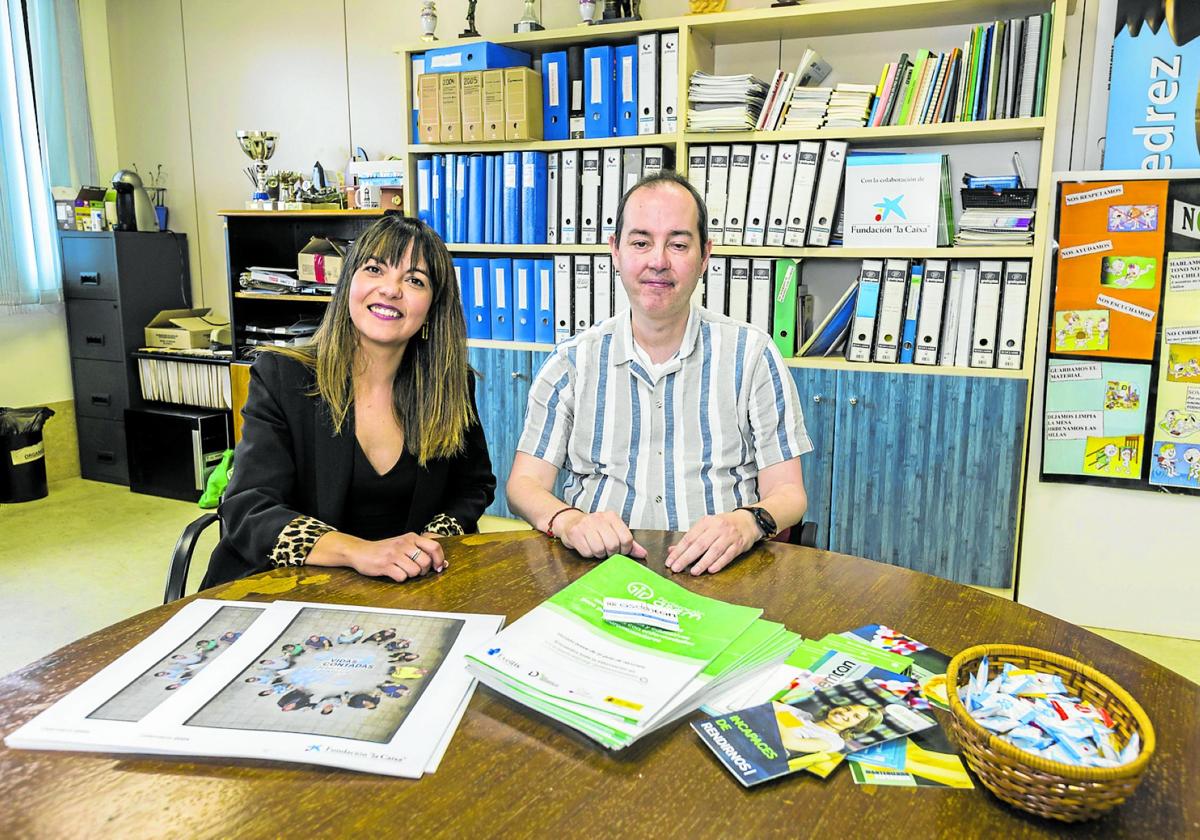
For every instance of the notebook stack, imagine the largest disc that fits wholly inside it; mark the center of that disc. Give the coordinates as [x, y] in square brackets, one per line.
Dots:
[725, 103]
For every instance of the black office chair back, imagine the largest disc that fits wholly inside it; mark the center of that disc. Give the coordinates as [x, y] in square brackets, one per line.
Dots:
[181, 559]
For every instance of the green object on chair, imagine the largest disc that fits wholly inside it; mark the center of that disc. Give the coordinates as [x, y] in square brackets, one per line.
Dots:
[218, 480]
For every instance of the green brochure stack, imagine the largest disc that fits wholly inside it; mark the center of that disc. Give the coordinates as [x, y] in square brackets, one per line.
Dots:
[617, 681]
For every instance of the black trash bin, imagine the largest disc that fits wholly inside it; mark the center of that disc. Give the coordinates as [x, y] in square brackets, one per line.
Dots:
[22, 454]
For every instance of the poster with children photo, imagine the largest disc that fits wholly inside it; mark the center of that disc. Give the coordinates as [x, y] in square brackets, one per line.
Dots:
[1081, 329]
[1128, 272]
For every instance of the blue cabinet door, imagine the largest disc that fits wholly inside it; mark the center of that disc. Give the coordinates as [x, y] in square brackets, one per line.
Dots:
[501, 390]
[926, 472]
[818, 389]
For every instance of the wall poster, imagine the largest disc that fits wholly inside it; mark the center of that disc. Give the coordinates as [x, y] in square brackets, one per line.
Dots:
[1122, 384]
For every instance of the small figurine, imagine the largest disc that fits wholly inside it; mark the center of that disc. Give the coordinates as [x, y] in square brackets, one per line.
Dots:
[470, 31]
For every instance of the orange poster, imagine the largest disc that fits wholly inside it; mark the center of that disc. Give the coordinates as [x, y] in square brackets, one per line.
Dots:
[1109, 278]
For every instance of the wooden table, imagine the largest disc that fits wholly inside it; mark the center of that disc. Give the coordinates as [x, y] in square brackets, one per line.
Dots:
[511, 773]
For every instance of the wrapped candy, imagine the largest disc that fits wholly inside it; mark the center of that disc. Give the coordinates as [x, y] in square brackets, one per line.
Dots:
[1035, 712]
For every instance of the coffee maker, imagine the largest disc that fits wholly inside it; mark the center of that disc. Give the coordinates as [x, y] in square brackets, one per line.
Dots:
[134, 209]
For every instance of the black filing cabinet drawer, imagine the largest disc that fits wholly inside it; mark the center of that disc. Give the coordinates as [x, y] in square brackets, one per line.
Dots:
[102, 450]
[94, 330]
[101, 389]
[89, 266]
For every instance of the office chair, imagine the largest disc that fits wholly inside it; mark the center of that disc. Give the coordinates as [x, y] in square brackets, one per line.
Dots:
[181, 559]
[803, 533]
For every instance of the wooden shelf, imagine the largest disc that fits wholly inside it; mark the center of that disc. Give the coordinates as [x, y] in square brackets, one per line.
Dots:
[494, 344]
[305, 298]
[952, 253]
[277, 214]
[545, 145]
[836, 253]
[840, 363]
[983, 131]
[846, 17]
[552, 39]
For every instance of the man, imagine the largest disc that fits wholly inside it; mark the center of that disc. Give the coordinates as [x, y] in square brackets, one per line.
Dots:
[667, 416]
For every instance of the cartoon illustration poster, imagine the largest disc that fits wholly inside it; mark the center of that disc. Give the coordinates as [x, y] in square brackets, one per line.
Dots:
[1095, 419]
[1109, 272]
[1176, 436]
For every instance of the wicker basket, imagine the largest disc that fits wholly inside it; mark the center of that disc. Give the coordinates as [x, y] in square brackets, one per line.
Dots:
[1035, 784]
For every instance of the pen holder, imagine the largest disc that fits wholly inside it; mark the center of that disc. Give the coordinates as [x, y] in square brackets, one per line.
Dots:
[1032, 783]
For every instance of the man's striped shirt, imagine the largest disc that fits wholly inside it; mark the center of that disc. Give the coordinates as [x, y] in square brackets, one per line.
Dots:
[662, 449]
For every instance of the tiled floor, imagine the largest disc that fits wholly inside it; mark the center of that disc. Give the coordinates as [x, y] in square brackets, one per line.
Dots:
[91, 554]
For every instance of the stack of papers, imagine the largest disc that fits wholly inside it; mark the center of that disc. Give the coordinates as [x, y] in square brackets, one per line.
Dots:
[850, 105]
[280, 281]
[807, 108]
[617, 680]
[360, 688]
[995, 226]
[862, 696]
[297, 334]
[725, 103]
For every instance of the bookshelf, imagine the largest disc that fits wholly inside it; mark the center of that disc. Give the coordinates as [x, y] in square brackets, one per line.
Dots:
[920, 466]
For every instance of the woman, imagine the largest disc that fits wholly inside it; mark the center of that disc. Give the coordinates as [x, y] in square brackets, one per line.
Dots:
[362, 447]
[799, 733]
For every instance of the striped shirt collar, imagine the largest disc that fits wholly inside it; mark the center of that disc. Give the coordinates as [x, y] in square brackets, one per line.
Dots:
[622, 346]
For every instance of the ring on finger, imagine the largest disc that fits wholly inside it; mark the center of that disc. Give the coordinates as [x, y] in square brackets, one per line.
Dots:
[413, 557]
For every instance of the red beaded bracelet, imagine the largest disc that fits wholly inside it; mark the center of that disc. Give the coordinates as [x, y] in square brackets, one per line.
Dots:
[550, 524]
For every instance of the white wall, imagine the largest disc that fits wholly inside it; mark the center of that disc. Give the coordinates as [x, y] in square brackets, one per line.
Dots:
[1100, 556]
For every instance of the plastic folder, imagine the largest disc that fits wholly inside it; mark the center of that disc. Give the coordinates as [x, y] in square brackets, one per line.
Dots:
[424, 194]
[555, 96]
[525, 317]
[497, 199]
[479, 322]
[448, 204]
[627, 104]
[543, 286]
[489, 198]
[599, 81]
[437, 192]
[500, 272]
[533, 198]
[475, 198]
[461, 190]
[908, 335]
[512, 198]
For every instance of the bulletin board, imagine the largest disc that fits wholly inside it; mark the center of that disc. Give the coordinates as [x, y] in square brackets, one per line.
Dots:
[1122, 378]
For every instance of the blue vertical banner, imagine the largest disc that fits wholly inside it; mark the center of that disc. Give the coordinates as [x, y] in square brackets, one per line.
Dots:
[1152, 96]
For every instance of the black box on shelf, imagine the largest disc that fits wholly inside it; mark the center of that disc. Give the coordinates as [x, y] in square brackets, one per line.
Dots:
[172, 451]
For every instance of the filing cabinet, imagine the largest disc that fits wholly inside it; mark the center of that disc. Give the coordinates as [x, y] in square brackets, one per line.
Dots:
[114, 283]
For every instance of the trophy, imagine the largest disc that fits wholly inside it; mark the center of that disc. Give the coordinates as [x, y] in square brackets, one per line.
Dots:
[470, 31]
[529, 22]
[259, 146]
[428, 20]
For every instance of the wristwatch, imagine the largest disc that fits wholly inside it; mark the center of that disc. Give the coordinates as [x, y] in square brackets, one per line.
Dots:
[764, 520]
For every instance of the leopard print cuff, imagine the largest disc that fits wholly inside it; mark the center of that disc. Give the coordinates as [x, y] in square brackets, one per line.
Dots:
[444, 524]
[296, 540]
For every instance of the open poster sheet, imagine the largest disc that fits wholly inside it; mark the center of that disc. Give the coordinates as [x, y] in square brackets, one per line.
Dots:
[1122, 384]
[103, 713]
[360, 688]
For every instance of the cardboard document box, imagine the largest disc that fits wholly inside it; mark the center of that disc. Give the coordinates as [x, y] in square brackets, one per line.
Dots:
[180, 328]
[320, 261]
[493, 105]
[522, 104]
[471, 103]
[450, 106]
[429, 125]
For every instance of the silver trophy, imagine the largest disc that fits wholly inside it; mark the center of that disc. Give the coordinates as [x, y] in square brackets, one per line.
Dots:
[259, 146]
[530, 22]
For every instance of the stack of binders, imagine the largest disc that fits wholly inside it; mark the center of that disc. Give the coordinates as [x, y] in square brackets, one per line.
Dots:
[961, 313]
[769, 194]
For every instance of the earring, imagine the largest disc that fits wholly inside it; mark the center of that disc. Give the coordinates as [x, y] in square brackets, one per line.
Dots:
[425, 331]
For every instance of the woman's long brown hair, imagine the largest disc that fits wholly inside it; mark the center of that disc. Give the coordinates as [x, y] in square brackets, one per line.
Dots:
[430, 393]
